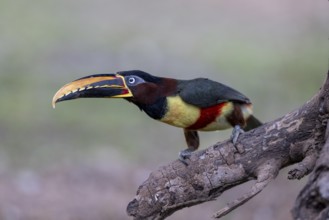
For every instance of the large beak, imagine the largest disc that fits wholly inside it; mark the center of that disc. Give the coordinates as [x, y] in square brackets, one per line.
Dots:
[94, 86]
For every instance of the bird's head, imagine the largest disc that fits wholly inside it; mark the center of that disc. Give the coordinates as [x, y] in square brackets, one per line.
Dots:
[135, 85]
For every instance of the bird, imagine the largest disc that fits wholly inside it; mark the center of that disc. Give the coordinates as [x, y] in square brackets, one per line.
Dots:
[198, 104]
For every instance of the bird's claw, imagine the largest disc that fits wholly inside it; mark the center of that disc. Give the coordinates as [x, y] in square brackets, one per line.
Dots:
[237, 130]
[184, 155]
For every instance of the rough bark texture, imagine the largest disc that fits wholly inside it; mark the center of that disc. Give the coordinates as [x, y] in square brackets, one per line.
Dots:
[313, 200]
[297, 137]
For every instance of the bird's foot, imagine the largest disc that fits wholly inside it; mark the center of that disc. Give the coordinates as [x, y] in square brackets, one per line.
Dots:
[184, 155]
[237, 130]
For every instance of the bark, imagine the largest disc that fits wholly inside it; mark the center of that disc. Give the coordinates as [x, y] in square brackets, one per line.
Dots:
[296, 138]
[313, 201]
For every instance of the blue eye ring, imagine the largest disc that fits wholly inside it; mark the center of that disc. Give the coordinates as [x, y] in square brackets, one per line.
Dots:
[131, 80]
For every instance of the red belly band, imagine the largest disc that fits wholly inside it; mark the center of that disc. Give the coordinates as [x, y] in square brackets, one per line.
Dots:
[207, 115]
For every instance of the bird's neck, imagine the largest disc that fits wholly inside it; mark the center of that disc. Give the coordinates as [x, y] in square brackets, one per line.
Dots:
[156, 110]
[152, 98]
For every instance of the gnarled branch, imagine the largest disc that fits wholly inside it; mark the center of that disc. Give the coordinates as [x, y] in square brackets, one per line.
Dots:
[296, 137]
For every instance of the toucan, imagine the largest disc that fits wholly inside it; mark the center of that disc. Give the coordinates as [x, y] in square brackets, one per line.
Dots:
[195, 105]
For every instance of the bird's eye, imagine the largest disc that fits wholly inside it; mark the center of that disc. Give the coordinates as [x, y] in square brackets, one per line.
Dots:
[133, 80]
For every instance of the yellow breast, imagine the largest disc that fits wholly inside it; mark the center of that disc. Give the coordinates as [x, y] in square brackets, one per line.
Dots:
[184, 115]
[180, 114]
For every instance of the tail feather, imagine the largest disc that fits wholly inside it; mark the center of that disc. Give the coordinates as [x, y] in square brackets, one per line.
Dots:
[252, 123]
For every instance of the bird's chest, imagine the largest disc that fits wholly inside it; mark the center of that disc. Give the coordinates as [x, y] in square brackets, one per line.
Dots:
[181, 114]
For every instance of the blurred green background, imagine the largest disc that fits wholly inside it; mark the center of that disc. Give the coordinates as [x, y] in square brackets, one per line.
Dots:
[85, 159]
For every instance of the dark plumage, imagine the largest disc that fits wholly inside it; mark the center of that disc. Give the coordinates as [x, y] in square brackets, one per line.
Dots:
[195, 105]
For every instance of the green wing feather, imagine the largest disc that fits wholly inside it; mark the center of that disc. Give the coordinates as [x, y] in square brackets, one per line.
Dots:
[204, 93]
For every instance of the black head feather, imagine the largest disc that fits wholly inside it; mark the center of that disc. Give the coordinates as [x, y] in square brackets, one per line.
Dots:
[145, 76]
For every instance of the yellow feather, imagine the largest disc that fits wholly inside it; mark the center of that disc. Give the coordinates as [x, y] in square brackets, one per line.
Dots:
[180, 113]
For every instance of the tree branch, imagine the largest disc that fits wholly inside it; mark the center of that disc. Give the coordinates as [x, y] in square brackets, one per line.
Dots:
[296, 137]
[313, 200]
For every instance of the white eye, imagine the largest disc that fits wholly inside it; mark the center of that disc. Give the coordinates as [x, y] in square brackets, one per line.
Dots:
[131, 80]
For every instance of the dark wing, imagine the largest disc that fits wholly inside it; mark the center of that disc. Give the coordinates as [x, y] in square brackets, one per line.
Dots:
[204, 93]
